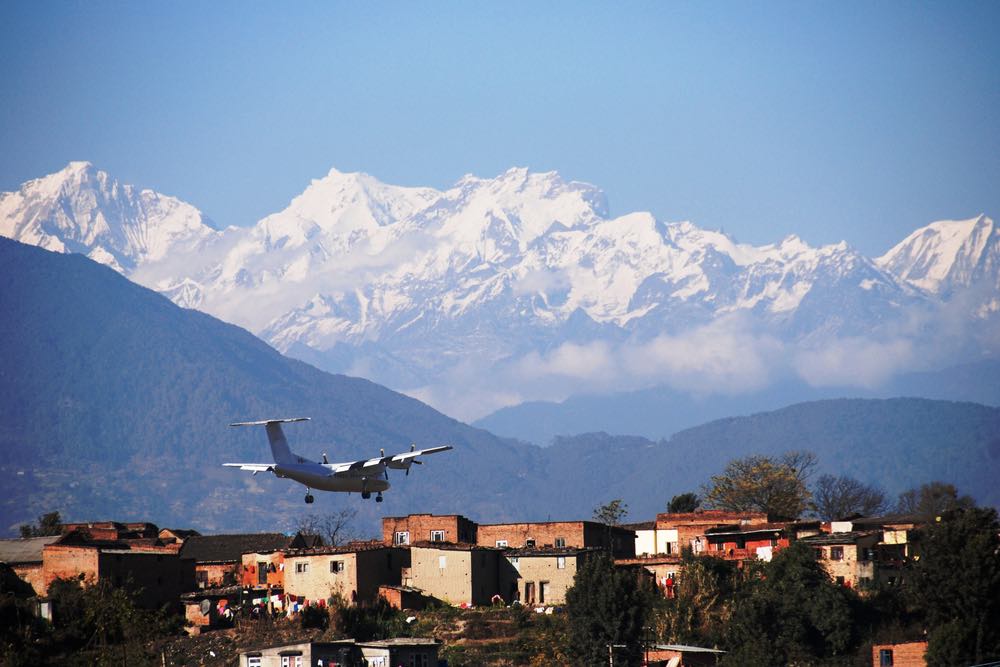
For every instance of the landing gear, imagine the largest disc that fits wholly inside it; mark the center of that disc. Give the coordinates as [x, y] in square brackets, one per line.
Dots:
[378, 498]
[309, 498]
[366, 494]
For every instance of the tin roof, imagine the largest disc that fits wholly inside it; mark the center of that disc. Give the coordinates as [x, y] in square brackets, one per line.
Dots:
[24, 550]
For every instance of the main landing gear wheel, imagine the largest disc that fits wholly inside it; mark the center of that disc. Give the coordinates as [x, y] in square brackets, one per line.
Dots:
[309, 499]
[366, 494]
[378, 498]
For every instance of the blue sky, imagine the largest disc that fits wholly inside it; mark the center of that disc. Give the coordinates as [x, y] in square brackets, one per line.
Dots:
[855, 121]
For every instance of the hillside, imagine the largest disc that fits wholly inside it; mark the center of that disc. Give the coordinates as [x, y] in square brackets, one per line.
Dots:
[114, 404]
[662, 411]
[895, 443]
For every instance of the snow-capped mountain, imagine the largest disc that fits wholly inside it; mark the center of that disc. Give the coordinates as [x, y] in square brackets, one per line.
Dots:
[950, 256]
[80, 209]
[499, 289]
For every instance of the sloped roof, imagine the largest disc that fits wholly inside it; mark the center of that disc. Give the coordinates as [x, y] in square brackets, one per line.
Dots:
[226, 548]
[24, 550]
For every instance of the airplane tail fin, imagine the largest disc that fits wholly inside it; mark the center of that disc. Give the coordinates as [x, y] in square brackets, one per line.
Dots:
[275, 436]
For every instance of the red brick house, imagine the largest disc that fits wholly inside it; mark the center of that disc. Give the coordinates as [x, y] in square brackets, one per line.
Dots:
[618, 540]
[403, 530]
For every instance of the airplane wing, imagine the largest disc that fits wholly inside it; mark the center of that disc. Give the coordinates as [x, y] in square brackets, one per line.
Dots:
[406, 456]
[399, 461]
[253, 467]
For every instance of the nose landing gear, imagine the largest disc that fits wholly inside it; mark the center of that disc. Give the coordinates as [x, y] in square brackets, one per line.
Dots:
[378, 498]
[309, 498]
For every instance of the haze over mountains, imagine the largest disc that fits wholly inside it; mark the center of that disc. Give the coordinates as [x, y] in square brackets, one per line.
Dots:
[524, 287]
[114, 404]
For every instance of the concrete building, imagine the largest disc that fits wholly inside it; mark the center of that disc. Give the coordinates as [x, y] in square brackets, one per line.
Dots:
[618, 540]
[403, 530]
[456, 573]
[540, 576]
[352, 572]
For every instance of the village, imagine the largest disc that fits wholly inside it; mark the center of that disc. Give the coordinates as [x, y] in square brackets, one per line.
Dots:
[423, 560]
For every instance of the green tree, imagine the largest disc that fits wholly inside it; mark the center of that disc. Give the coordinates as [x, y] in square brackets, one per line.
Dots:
[776, 485]
[606, 606]
[956, 584]
[792, 613]
[700, 607]
[841, 496]
[683, 503]
[48, 524]
[611, 513]
[932, 499]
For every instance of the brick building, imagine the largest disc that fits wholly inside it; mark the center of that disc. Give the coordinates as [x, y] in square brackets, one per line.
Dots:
[847, 557]
[402, 530]
[218, 559]
[24, 556]
[157, 573]
[411, 651]
[456, 573]
[677, 531]
[352, 572]
[908, 654]
[618, 540]
[757, 541]
[665, 570]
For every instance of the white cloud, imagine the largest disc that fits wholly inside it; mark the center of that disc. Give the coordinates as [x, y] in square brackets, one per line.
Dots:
[853, 362]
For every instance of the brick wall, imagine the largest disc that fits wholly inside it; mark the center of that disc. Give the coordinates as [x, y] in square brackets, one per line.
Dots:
[456, 528]
[68, 562]
[910, 654]
[254, 563]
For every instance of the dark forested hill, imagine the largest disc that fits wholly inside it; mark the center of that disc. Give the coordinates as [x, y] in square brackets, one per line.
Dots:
[660, 411]
[114, 405]
[895, 443]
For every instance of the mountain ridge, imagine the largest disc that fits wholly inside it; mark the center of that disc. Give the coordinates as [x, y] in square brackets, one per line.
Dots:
[114, 404]
[529, 289]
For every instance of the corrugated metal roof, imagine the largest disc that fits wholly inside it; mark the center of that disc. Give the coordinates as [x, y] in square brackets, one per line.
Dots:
[25, 550]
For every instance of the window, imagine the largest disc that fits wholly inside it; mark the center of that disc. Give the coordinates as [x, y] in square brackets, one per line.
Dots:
[253, 661]
[301, 568]
[501, 544]
[286, 661]
[840, 581]
[437, 536]
[529, 543]
[336, 566]
[401, 537]
[560, 562]
[836, 553]
[298, 661]
[442, 562]
[885, 657]
[560, 542]
[418, 660]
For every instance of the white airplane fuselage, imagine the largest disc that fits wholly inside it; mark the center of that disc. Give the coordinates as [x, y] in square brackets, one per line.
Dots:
[321, 477]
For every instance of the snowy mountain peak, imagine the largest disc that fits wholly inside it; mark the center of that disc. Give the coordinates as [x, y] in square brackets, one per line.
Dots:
[83, 209]
[947, 254]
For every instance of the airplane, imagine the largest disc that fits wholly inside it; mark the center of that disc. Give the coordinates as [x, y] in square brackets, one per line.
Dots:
[363, 476]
